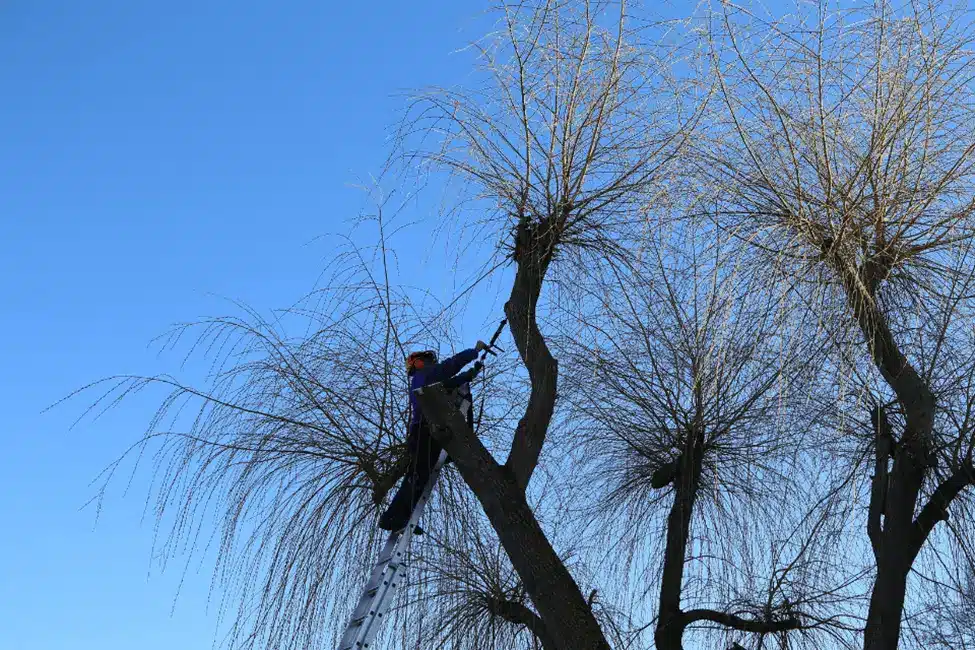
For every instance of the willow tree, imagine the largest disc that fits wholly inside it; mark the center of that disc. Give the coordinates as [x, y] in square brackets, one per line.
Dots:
[844, 159]
[575, 132]
[689, 384]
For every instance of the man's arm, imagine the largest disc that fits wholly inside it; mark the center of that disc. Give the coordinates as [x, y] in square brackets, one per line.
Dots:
[463, 378]
[450, 366]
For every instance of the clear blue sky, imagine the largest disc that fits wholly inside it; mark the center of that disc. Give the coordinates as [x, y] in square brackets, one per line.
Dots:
[152, 154]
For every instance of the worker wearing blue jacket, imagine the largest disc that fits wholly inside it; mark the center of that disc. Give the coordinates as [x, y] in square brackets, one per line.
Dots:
[424, 450]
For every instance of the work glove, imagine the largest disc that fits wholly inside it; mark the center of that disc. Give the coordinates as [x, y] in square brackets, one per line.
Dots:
[480, 345]
[478, 366]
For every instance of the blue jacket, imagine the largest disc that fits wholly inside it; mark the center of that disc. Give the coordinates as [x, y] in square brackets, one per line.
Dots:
[440, 372]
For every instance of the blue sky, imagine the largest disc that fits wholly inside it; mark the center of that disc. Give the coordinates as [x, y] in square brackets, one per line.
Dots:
[154, 158]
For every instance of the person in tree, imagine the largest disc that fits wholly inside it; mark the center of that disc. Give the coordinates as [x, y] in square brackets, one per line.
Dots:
[424, 450]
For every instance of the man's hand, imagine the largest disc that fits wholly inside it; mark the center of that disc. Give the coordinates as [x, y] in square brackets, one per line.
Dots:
[480, 345]
[478, 367]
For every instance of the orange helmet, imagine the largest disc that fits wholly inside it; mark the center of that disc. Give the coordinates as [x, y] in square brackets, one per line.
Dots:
[417, 360]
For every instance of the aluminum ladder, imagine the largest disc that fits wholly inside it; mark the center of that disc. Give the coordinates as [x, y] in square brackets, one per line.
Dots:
[388, 572]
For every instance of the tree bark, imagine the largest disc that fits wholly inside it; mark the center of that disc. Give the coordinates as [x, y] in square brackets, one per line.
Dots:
[898, 539]
[742, 624]
[534, 248]
[671, 620]
[561, 606]
[501, 490]
[886, 607]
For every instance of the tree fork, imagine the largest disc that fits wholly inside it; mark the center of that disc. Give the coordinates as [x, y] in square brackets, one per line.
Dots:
[516, 613]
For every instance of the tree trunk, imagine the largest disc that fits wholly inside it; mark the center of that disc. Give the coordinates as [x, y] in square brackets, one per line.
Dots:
[563, 609]
[671, 620]
[899, 539]
[886, 607]
[564, 612]
[533, 252]
[896, 548]
[566, 615]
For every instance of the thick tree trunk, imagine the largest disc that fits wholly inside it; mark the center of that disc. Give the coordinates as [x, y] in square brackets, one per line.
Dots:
[563, 609]
[535, 245]
[897, 542]
[566, 615]
[895, 548]
[886, 607]
[671, 620]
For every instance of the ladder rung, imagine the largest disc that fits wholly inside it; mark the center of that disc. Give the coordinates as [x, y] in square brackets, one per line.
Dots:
[372, 590]
[366, 604]
[376, 581]
[362, 611]
[356, 644]
[356, 622]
